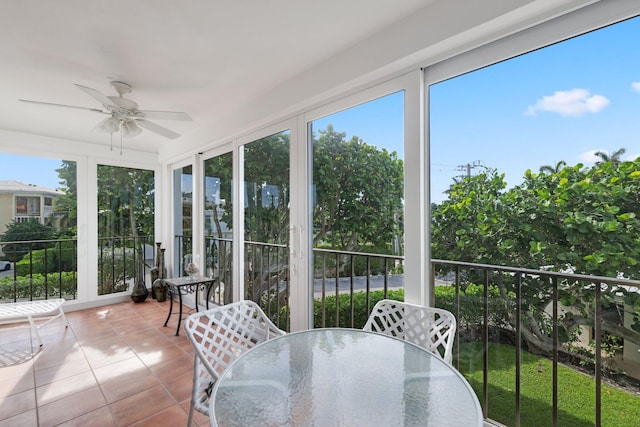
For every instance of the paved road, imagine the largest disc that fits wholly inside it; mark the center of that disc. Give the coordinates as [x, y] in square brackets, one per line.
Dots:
[394, 281]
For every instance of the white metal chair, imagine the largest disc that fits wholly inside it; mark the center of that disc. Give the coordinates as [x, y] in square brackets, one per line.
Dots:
[428, 327]
[219, 336]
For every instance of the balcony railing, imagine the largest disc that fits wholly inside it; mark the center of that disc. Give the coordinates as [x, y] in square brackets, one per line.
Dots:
[39, 269]
[519, 330]
[42, 269]
[118, 258]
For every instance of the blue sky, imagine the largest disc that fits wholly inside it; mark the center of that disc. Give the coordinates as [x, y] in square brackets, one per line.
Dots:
[559, 103]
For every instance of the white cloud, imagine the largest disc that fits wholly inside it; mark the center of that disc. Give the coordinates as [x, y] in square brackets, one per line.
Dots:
[635, 86]
[574, 102]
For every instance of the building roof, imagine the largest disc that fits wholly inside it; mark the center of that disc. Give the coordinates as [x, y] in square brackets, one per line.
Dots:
[12, 186]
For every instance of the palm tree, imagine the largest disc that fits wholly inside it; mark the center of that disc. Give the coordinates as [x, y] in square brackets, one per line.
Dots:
[615, 157]
[550, 169]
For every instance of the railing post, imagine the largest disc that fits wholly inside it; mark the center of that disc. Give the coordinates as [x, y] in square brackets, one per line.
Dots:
[518, 345]
[598, 332]
[555, 351]
[485, 367]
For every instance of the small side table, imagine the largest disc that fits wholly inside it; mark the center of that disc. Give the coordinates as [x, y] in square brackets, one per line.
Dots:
[187, 285]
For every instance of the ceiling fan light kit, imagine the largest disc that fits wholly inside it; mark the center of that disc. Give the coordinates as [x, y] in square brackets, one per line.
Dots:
[124, 115]
[109, 125]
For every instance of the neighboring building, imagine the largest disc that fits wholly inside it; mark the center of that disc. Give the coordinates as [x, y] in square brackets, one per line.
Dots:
[21, 202]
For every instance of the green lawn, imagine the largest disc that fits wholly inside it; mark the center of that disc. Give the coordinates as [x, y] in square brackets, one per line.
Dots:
[576, 391]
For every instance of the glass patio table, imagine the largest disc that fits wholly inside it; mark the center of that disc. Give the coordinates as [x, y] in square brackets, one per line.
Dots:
[342, 377]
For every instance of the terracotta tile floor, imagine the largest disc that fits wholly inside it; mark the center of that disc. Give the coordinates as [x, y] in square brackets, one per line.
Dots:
[114, 366]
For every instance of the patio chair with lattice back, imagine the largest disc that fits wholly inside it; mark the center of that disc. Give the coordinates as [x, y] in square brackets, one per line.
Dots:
[219, 336]
[428, 327]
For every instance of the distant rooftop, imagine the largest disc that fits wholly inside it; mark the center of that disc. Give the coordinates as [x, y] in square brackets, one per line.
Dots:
[12, 186]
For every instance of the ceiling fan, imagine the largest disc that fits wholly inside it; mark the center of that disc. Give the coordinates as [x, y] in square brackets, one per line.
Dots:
[124, 115]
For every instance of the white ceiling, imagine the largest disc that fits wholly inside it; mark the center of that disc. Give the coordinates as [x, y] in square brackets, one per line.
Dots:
[204, 57]
[219, 60]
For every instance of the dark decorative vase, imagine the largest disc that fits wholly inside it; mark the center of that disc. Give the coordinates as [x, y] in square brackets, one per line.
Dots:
[160, 290]
[155, 270]
[159, 285]
[139, 293]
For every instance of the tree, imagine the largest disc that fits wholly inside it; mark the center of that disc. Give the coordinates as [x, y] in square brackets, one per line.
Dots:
[27, 231]
[65, 205]
[615, 157]
[358, 193]
[577, 219]
[553, 169]
[125, 202]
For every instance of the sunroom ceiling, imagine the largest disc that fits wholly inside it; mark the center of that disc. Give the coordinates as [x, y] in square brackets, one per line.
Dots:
[204, 57]
[209, 58]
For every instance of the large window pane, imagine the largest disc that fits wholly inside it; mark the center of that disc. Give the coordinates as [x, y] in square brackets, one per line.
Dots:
[125, 225]
[183, 204]
[358, 183]
[218, 225]
[38, 241]
[535, 164]
[266, 223]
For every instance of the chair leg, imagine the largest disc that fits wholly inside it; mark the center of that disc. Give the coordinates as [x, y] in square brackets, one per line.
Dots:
[191, 409]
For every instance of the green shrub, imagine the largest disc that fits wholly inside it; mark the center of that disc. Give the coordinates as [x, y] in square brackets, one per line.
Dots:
[38, 286]
[360, 313]
[471, 307]
[58, 258]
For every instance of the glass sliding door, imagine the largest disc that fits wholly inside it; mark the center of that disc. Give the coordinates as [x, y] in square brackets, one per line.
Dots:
[183, 218]
[125, 225]
[265, 169]
[218, 225]
[358, 207]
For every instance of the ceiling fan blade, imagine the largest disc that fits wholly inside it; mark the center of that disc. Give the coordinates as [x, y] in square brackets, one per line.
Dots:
[157, 129]
[64, 105]
[166, 115]
[104, 100]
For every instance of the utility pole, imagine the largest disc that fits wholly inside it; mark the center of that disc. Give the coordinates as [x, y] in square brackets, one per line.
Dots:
[468, 167]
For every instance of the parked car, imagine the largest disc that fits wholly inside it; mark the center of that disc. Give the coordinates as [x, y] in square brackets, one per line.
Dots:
[5, 265]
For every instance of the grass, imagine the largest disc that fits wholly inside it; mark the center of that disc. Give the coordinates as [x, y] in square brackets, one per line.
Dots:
[576, 391]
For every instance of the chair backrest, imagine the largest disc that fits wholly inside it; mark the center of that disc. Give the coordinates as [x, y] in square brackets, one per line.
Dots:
[431, 328]
[220, 335]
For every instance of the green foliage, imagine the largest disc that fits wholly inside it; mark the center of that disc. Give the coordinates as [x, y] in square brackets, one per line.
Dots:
[28, 231]
[359, 193]
[266, 170]
[65, 205]
[125, 201]
[360, 265]
[116, 266]
[39, 286]
[61, 256]
[471, 309]
[325, 316]
[572, 219]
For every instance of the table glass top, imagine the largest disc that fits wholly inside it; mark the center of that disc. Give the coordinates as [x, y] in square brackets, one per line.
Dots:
[342, 377]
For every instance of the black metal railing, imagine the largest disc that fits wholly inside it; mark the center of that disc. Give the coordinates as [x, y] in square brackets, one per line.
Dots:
[507, 316]
[219, 265]
[344, 281]
[38, 269]
[564, 321]
[118, 259]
